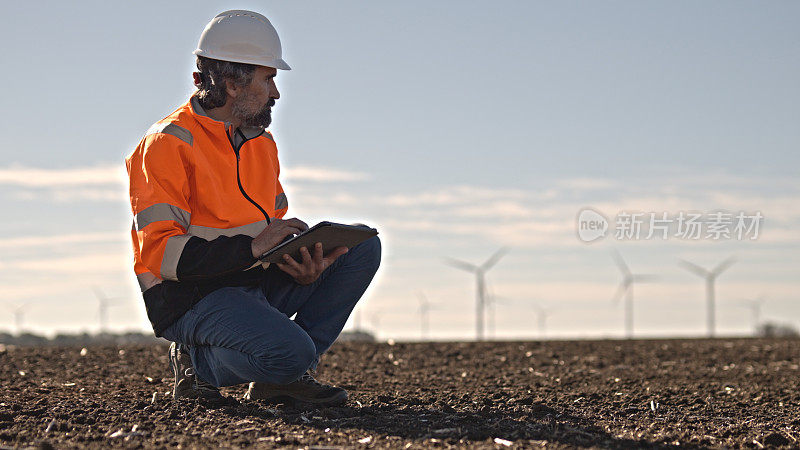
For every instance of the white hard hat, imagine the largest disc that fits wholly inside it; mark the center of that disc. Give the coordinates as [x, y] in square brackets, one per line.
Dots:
[244, 37]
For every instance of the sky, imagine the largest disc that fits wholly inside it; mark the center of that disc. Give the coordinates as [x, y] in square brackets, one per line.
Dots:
[455, 128]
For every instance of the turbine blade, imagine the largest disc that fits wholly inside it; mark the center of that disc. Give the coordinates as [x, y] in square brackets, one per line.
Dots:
[694, 268]
[494, 258]
[621, 263]
[461, 265]
[723, 265]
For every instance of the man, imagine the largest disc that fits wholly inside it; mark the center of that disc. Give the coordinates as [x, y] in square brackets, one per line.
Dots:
[207, 203]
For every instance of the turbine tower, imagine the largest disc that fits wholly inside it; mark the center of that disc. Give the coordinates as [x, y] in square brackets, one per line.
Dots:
[102, 308]
[491, 308]
[754, 305]
[19, 315]
[357, 320]
[424, 310]
[711, 277]
[375, 320]
[480, 285]
[626, 289]
[542, 314]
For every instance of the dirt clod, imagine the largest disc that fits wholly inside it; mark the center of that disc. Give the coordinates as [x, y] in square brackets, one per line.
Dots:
[776, 440]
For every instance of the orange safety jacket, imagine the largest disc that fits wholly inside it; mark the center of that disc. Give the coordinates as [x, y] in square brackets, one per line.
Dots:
[200, 191]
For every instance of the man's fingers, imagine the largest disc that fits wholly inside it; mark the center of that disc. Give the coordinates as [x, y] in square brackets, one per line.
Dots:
[289, 261]
[306, 256]
[288, 225]
[295, 222]
[337, 252]
[318, 263]
[282, 233]
[286, 268]
[286, 232]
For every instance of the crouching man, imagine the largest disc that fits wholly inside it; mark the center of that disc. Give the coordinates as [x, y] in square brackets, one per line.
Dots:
[207, 203]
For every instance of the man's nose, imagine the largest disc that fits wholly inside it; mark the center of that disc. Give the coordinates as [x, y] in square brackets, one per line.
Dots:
[273, 90]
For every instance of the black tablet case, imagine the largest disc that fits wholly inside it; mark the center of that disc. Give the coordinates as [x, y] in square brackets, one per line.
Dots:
[331, 235]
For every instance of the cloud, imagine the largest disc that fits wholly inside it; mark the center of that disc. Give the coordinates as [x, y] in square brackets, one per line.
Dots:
[115, 174]
[70, 195]
[458, 195]
[97, 183]
[108, 182]
[95, 263]
[28, 242]
[499, 209]
[588, 184]
[318, 174]
[545, 218]
[109, 174]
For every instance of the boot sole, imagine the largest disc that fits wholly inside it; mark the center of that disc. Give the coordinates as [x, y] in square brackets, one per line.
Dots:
[294, 401]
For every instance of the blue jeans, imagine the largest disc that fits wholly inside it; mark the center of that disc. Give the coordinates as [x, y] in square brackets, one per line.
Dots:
[241, 334]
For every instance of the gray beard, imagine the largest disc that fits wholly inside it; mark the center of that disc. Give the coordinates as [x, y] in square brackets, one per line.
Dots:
[261, 118]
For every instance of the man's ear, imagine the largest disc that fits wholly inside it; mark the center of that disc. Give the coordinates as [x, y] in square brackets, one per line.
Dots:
[232, 89]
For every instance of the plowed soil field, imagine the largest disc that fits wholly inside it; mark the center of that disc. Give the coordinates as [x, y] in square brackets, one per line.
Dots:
[737, 393]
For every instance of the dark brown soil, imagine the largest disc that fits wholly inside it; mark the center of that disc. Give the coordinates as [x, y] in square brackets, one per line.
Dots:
[662, 393]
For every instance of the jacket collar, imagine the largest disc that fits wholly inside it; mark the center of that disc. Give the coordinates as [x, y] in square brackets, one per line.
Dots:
[247, 132]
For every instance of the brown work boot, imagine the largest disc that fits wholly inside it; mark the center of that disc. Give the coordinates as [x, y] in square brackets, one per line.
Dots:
[187, 383]
[305, 390]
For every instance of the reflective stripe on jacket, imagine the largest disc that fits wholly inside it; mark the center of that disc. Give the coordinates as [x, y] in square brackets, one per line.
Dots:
[197, 202]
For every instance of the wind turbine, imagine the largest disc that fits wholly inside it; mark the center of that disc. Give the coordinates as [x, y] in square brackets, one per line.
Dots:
[19, 315]
[491, 305]
[626, 289]
[711, 277]
[480, 288]
[754, 305]
[542, 314]
[374, 320]
[102, 308]
[357, 320]
[424, 310]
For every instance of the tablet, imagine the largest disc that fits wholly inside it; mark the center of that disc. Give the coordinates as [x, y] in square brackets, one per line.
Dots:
[331, 235]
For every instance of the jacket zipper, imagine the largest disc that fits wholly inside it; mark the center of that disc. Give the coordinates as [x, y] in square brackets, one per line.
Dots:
[238, 177]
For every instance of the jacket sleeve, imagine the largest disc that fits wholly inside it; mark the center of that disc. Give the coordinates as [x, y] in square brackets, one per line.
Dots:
[160, 200]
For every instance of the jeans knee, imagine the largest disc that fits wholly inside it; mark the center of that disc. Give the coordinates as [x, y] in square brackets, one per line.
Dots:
[303, 356]
[370, 253]
[291, 363]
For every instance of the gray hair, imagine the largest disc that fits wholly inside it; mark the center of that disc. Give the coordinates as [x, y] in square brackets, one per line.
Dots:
[213, 73]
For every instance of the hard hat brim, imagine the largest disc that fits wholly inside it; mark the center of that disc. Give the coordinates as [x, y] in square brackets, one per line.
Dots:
[277, 63]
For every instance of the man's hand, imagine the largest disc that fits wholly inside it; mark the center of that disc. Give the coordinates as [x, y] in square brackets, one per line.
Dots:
[310, 269]
[275, 233]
